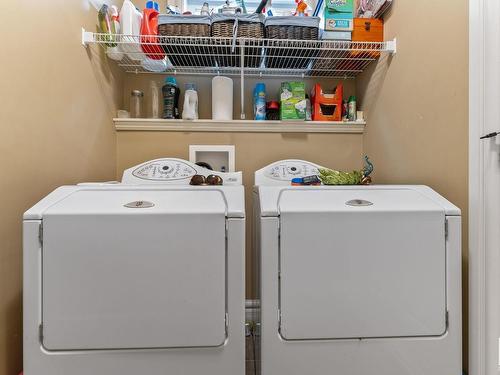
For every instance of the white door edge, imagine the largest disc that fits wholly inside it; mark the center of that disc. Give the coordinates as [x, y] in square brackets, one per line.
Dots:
[477, 282]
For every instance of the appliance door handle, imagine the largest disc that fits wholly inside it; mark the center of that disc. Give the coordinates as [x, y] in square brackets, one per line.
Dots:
[490, 135]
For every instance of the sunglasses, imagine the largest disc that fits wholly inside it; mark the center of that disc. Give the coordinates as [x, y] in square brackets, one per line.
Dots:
[212, 179]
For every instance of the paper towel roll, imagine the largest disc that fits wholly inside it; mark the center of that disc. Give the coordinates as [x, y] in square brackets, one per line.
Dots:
[222, 98]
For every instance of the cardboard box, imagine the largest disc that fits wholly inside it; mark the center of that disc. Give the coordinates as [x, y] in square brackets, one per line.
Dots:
[339, 15]
[292, 101]
[336, 35]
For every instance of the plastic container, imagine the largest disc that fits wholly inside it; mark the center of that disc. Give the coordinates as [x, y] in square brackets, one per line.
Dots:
[115, 53]
[131, 20]
[136, 99]
[149, 32]
[190, 109]
[351, 108]
[222, 98]
[154, 90]
[108, 24]
[273, 111]
[171, 94]
[259, 101]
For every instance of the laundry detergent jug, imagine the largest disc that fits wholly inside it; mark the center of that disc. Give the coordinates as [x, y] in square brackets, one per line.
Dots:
[149, 32]
[131, 19]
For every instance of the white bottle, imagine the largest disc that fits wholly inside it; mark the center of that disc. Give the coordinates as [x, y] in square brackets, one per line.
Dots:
[222, 98]
[130, 23]
[154, 90]
[190, 110]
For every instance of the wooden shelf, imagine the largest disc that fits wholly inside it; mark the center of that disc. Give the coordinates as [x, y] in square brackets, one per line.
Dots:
[244, 126]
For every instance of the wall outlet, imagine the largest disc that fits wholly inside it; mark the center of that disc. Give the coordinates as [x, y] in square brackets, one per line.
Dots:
[218, 157]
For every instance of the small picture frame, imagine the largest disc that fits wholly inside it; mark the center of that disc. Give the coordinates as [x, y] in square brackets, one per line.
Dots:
[219, 157]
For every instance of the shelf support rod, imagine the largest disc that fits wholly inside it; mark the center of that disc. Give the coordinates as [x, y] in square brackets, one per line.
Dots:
[242, 78]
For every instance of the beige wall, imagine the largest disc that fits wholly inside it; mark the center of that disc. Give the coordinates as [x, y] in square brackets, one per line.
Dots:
[58, 99]
[417, 105]
[56, 106]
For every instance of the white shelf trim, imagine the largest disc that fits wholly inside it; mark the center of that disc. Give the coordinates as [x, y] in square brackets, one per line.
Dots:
[246, 126]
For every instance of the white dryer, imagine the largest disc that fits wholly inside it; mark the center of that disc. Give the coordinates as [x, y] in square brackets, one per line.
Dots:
[356, 280]
[140, 277]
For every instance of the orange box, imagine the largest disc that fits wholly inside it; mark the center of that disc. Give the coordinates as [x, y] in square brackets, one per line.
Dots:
[368, 30]
[327, 107]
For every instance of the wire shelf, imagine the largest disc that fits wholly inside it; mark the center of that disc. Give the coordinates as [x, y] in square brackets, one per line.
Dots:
[228, 56]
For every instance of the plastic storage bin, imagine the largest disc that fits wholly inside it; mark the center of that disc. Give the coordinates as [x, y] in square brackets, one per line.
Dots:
[327, 106]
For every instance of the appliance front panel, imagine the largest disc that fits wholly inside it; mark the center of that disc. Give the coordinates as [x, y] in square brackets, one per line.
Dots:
[361, 272]
[142, 280]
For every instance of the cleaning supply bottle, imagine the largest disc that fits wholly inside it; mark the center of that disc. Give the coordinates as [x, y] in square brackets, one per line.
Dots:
[149, 32]
[190, 110]
[351, 105]
[171, 94]
[115, 52]
[259, 101]
[104, 26]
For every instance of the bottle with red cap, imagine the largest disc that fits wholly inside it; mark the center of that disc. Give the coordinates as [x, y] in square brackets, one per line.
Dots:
[149, 32]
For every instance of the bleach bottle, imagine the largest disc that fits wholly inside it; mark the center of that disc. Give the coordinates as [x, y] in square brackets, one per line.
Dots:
[190, 110]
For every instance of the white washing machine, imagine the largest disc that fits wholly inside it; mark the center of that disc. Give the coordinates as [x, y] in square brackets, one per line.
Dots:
[141, 277]
[356, 280]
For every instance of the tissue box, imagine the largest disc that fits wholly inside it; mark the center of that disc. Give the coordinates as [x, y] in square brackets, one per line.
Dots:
[292, 101]
[339, 15]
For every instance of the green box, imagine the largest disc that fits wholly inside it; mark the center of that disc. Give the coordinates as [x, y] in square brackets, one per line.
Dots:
[339, 15]
[293, 101]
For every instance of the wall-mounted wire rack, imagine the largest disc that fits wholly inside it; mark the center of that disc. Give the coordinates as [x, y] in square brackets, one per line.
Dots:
[239, 56]
[252, 57]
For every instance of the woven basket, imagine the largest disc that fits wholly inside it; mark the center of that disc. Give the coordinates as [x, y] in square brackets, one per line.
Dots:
[198, 54]
[291, 28]
[249, 26]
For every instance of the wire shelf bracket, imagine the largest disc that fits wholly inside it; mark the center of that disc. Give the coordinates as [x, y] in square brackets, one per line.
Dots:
[392, 46]
[87, 37]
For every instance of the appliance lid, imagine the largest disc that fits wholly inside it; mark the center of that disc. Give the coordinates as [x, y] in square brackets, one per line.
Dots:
[158, 199]
[275, 199]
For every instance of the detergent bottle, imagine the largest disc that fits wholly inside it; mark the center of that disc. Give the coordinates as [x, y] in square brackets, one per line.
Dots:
[190, 110]
[155, 56]
[149, 32]
[131, 20]
[171, 94]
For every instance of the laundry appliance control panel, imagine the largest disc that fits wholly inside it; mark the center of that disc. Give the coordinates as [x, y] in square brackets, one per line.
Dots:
[173, 171]
[282, 172]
